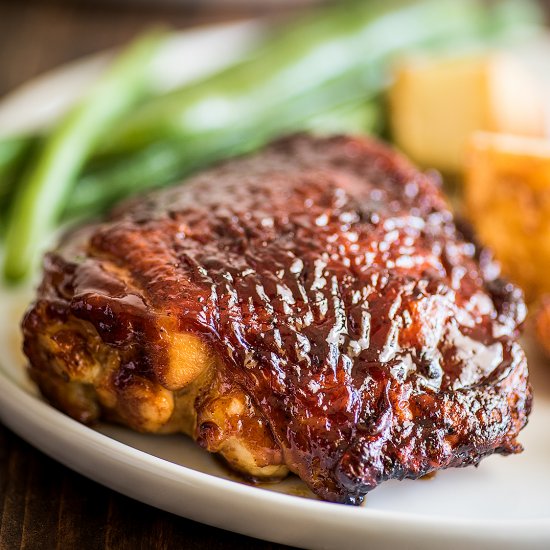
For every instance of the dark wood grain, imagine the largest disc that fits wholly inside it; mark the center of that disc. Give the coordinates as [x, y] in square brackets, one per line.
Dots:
[43, 505]
[36, 36]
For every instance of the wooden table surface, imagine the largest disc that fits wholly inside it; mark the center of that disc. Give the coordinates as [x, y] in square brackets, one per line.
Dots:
[42, 503]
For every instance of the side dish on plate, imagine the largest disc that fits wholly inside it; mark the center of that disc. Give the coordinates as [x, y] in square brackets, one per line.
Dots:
[123, 137]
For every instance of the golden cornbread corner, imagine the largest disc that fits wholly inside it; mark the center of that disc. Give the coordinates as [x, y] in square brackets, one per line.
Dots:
[438, 102]
[507, 198]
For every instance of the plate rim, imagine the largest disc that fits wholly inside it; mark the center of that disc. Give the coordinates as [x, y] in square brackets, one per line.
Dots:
[38, 414]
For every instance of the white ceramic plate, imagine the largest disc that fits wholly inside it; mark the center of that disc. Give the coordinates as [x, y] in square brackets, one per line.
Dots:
[503, 504]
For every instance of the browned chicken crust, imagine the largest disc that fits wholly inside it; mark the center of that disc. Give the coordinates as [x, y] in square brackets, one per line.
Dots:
[312, 308]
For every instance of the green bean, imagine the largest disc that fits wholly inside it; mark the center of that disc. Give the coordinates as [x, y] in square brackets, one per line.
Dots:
[43, 190]
[297, 61]
[13, 150]
[177, 152]
[365, 117]
[100, 189]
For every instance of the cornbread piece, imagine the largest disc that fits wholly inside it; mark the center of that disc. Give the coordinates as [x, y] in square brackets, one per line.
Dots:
[437, 103]
[311, 308]
[507, 196]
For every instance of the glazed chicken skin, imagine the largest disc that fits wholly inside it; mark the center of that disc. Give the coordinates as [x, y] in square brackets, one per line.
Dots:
[312, 308]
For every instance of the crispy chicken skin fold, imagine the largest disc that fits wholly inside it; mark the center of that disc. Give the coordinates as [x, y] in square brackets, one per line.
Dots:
[312, 308]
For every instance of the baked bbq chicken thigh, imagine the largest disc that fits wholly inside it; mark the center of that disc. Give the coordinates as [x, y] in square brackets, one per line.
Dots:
[312, 308]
